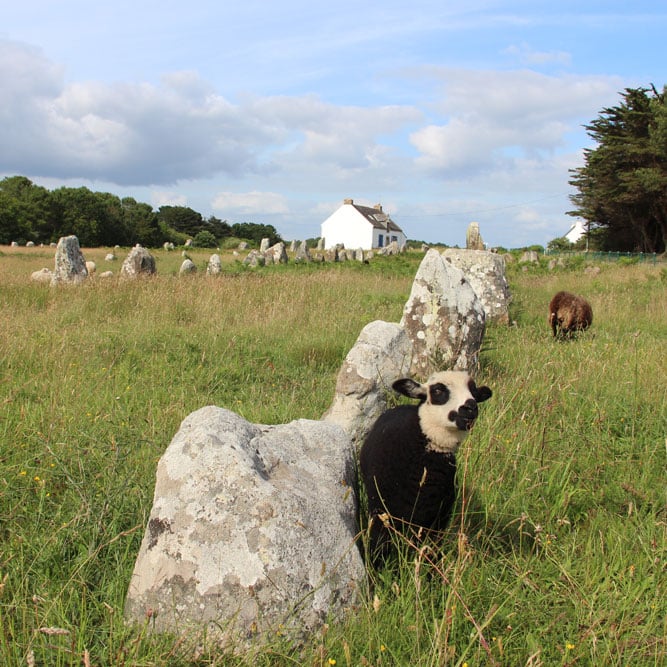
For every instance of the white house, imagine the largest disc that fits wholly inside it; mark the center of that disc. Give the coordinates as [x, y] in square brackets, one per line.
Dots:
[364, 227]
[577, 230]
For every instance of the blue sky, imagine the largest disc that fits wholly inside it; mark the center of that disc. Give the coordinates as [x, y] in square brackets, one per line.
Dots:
[446, 112]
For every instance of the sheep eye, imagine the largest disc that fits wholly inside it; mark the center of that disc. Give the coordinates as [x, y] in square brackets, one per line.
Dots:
[439, 394]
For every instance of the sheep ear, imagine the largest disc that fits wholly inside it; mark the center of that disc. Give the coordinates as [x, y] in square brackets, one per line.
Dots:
[410, 388]
[480, 394]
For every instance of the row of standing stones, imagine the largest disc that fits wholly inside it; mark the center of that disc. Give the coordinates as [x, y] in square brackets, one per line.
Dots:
[72, 268]
[254, 528]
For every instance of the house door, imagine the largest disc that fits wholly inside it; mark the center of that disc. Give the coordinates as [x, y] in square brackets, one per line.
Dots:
[380, 240]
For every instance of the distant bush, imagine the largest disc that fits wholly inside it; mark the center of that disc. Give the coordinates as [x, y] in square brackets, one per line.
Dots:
[204, 239]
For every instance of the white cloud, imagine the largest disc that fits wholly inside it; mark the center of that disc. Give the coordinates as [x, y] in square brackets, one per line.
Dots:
[250, 203]
[493, 117]
[528, 56]
[137, 134]
[164, 198]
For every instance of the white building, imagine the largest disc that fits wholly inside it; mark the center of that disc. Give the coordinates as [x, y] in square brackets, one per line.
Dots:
[365, 227]
[577, 230]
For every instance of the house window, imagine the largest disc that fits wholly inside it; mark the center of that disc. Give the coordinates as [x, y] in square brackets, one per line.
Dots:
[394, 239]
[380, 240]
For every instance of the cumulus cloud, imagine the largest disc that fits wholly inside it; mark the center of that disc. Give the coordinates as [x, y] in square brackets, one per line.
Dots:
[137, 134]
[180, 129]
[490, 118]
[322, 133]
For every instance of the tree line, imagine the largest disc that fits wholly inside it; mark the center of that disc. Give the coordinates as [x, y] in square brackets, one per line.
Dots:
[622, 187]
[30, 212]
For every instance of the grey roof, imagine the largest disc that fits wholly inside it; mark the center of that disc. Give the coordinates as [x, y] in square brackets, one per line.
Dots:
[378, 218]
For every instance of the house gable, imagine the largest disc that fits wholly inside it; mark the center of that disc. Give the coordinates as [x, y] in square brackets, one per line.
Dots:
[356, 226]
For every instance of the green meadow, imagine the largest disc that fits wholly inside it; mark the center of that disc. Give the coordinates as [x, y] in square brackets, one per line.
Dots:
[557, 552]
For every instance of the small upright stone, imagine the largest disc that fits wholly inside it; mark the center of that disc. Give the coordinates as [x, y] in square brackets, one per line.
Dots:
[302, 254]
[276, 254]
[188, 267]
[70, 265]
[138, 263]
[214, 267]
[473, 237]
[255, 258]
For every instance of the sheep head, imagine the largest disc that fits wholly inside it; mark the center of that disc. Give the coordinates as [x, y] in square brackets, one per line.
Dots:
[448, 406]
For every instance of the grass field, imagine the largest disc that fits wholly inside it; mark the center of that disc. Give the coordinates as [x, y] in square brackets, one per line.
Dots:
[557, 554]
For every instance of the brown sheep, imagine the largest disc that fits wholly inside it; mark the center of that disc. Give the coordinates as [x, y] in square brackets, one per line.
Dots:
[569, 313]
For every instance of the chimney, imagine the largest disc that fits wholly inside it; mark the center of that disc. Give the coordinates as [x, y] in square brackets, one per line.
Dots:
[348, 201]
[378, 207]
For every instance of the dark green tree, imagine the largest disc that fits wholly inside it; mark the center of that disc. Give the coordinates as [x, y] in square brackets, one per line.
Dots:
[204, 239]
[622, 187]
[12, 224]
[251, 231]
[182, 219]
[96, 218]
[26, 211]
[142, 222]
[559, 244]
[219, 228]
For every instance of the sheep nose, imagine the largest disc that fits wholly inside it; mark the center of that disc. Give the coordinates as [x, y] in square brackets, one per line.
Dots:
[465, 416]
[469, 409]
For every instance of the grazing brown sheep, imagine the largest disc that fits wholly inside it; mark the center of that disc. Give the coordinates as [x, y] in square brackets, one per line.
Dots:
[569, 313]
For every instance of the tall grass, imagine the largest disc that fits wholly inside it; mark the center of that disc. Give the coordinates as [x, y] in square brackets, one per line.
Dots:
[557, 553]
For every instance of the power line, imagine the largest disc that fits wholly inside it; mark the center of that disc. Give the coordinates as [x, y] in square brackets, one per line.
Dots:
[484, 210]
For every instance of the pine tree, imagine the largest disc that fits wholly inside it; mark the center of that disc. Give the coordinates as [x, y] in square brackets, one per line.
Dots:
[623, 183]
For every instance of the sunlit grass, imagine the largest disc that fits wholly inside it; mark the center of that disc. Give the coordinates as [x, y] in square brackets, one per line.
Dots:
[556, 554]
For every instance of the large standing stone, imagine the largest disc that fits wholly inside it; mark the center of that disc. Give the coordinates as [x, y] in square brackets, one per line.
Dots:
[443, 317]
[252, 530]
[70, 265]
[138, 263]
[381, 354]
[486, 273]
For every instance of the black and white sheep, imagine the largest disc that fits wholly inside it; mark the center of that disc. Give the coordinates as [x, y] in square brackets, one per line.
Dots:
[569, 313]
[408, 463]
